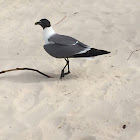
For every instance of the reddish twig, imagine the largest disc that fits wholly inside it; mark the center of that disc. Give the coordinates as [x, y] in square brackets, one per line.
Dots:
[60, 20]
[132, 53]
[25, 69]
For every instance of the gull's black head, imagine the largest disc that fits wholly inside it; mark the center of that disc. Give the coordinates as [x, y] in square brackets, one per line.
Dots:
[44, 23]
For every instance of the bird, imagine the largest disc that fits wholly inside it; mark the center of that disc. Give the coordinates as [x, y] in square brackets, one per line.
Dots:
[62, 46]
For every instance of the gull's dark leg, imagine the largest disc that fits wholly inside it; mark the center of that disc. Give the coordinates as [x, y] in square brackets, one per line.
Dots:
[62, 72]
[68, 66]
[67, 60]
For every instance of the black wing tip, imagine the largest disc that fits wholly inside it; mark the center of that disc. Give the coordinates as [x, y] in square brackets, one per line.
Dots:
[91, 53]
[106, 52]
[100, 52]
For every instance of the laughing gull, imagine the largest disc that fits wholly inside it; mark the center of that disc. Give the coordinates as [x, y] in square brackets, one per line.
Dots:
[61, 46]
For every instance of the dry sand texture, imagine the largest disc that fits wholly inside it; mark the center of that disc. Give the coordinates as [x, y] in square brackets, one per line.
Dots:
[97, 98]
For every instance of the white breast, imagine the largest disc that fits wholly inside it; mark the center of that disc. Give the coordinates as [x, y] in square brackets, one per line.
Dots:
[47, 33]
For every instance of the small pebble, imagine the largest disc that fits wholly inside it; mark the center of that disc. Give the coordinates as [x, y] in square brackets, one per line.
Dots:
[124, 126]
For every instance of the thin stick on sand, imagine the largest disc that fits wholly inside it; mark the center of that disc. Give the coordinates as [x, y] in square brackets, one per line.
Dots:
[60, 20]
[132, 53]
[25, 69]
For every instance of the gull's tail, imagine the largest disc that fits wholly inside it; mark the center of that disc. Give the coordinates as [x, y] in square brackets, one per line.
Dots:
[91, 53]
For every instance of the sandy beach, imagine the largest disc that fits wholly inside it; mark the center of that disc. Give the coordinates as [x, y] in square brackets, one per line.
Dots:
[98, 100]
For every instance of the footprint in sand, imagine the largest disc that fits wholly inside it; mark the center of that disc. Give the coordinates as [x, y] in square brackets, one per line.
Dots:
[83, 138]
[24, 101]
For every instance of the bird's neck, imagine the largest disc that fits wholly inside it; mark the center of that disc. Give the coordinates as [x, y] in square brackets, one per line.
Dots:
[47, 33]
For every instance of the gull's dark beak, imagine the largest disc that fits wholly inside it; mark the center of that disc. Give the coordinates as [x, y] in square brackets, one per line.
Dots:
[38, 23]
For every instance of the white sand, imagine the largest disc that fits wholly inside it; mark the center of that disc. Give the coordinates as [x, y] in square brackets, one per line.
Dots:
[97, 98]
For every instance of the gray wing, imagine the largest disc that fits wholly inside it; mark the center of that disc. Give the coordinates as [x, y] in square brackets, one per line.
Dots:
[64, 46]
[63, 51]
[65, 40]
